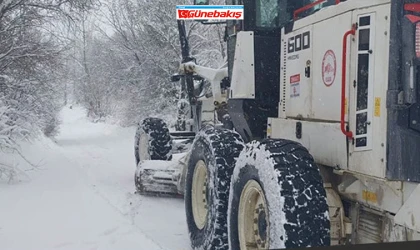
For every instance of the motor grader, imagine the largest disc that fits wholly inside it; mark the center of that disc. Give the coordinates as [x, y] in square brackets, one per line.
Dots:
[322, 143]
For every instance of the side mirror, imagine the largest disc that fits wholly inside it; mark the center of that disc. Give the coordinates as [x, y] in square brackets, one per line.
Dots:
[201, 2]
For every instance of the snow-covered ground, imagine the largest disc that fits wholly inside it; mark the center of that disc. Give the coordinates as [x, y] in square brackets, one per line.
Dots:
[81, 196]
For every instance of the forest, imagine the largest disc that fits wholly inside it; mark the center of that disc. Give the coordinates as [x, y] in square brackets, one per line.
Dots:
[112, 57]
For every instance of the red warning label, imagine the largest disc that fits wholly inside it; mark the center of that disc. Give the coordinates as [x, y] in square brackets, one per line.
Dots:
[295, 86]
[295, 79]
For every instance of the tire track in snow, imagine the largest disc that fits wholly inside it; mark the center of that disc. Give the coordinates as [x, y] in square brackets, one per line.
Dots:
[93, 187]
[104, 155]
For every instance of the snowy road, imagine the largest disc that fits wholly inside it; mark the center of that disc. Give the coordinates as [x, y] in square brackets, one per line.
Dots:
[82, 197]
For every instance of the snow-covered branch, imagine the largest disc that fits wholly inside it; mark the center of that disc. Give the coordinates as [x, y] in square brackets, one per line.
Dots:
[31, 66]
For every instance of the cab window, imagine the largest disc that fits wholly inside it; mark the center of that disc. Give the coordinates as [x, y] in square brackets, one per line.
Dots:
[267, 13]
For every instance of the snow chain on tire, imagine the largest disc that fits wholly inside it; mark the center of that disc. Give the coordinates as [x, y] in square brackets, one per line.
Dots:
[292, 211]
[216, 150]
[160, 141]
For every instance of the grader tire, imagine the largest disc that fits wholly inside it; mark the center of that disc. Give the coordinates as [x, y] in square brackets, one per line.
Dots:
[153, 140]
[206, 195]
[277, 198]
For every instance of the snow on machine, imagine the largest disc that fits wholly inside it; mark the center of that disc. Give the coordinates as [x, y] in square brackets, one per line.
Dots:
[311, 133]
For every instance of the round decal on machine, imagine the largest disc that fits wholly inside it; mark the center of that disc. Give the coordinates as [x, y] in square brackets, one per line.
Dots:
[329, 68]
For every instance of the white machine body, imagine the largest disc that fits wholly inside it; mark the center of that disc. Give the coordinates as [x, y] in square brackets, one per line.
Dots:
[310, 113]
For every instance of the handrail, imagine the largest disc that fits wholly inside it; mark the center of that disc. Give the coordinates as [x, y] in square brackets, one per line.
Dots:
[415, 7]
[308, 6]
[349, 134]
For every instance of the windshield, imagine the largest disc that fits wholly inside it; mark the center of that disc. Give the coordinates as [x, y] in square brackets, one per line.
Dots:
[267, 12]
[275, 13]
